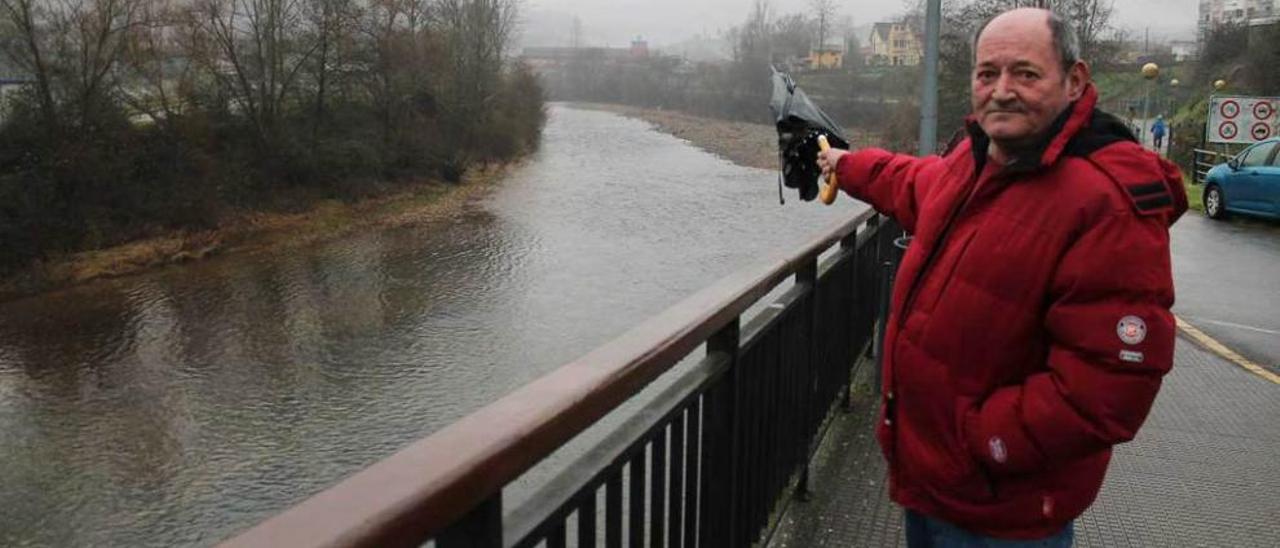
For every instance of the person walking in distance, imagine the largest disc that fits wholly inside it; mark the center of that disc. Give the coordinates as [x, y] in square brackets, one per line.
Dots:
[1157, 133]
[1030, 326]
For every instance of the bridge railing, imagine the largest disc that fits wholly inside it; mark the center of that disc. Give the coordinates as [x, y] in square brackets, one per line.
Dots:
[707, 462]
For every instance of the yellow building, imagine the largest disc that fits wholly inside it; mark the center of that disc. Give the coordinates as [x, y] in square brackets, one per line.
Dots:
[896, 44]
[829, 57]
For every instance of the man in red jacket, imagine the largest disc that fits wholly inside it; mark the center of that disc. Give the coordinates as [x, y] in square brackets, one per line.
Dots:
[1030, 323]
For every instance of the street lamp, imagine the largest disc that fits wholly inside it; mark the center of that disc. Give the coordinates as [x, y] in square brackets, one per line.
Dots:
[1219, 85]
[1150, 71]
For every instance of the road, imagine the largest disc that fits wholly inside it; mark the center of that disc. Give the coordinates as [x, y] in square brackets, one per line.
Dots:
[1227, 277]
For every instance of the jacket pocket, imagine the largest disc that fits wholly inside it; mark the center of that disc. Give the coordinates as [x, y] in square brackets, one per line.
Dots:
[981, 480]
[929, 446]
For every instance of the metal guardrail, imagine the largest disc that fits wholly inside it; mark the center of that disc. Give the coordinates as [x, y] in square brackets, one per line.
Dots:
[706, 463]
[1204, 160]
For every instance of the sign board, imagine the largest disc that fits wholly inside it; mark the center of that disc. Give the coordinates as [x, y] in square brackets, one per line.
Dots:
[1243, 120]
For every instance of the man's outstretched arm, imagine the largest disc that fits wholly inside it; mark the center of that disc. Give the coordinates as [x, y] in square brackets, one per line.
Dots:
[890, 182]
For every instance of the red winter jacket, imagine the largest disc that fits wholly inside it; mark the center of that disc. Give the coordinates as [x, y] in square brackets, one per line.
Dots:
[1030, 322]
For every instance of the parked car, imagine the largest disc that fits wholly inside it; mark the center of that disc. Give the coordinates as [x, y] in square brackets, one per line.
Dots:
[1248, 184]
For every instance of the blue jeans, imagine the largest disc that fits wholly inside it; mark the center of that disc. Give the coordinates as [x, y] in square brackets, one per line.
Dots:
[926, 532]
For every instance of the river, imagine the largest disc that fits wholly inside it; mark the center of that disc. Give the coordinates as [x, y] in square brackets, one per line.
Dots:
[180, 406]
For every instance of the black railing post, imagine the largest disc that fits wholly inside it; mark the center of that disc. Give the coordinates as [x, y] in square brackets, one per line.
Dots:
[807, 277]
[886, 288]
[882, 295]
[875, 225]
[849, 244]
[480, 528]
[721, 449]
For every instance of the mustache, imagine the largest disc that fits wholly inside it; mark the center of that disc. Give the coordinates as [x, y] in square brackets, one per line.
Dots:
[1006, 108]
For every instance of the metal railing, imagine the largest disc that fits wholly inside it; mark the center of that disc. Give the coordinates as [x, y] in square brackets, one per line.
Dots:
[708, 462]
[1203, 161]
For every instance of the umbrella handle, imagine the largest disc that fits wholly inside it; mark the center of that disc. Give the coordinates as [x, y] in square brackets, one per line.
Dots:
[832, 189]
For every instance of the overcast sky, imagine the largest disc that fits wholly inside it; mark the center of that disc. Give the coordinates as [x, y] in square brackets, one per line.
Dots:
[667, 21]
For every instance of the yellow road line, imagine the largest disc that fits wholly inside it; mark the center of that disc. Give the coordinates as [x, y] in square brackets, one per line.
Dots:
[1212, 345]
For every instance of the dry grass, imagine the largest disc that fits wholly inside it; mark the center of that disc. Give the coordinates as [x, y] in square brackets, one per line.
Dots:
[251, 232]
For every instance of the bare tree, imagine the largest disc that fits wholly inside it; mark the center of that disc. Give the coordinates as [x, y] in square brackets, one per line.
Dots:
[793, 35]
[71, 48]
[391, 30]
[331, 22]
[254, 50]
[30, 49]
[157, 69]
[1091, 19]
[479, 33]
[96, 35]
[751, 42]
[824, 13]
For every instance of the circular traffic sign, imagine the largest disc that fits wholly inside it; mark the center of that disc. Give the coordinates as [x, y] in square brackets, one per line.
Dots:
[1229, 109]
[1263, 110]
[1260, 131]
[1228, 130]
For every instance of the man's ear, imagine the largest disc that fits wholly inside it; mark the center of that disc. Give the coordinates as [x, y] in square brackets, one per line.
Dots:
[1077, 78]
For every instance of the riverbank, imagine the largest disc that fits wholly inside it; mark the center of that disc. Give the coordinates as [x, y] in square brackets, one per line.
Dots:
[745, 144]
[255, 232]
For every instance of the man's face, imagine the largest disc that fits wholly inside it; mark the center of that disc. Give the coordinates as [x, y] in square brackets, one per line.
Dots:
[1019, 85]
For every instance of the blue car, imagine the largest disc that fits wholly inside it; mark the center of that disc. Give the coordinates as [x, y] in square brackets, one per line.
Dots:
[1249, 184]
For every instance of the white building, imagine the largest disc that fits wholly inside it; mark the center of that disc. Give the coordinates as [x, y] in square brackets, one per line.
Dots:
[1215, 13]
[1183, 50]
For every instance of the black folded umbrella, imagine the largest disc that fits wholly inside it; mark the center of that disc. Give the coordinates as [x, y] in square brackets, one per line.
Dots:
[800, 122]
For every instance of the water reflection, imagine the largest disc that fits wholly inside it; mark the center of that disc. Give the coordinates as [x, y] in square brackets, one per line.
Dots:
[178, 407]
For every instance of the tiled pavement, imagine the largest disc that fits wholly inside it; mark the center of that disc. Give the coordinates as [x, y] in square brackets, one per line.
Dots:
[1203, 472]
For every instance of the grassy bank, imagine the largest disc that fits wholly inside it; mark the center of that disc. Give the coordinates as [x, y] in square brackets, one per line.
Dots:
[251, 232]
[1195, 193]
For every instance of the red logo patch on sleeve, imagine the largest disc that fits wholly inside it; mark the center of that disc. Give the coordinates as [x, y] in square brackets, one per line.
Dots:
[1132, 330]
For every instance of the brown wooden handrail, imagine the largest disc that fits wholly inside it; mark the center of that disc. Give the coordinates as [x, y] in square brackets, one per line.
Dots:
[419, 490]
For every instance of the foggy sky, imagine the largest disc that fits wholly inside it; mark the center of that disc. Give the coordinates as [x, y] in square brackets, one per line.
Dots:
[615, 22]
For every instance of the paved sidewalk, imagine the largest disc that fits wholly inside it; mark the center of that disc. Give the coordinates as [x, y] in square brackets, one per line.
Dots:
[1203, 472]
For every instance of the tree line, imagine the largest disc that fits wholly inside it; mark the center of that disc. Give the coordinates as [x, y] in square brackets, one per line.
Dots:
[142, 116]
[884, 102]
[736, 89]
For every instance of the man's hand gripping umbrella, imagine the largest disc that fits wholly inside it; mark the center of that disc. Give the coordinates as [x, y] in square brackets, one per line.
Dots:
[832, 189]
[804, 131]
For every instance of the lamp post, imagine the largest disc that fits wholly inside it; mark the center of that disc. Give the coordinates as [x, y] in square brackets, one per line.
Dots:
[1150, 71]
[929, 91]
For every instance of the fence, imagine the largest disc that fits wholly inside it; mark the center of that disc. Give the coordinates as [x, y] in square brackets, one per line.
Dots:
[1203, 161]
[708, 462]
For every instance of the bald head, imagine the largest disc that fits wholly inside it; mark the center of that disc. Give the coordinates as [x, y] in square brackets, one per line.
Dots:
[1044, 26]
